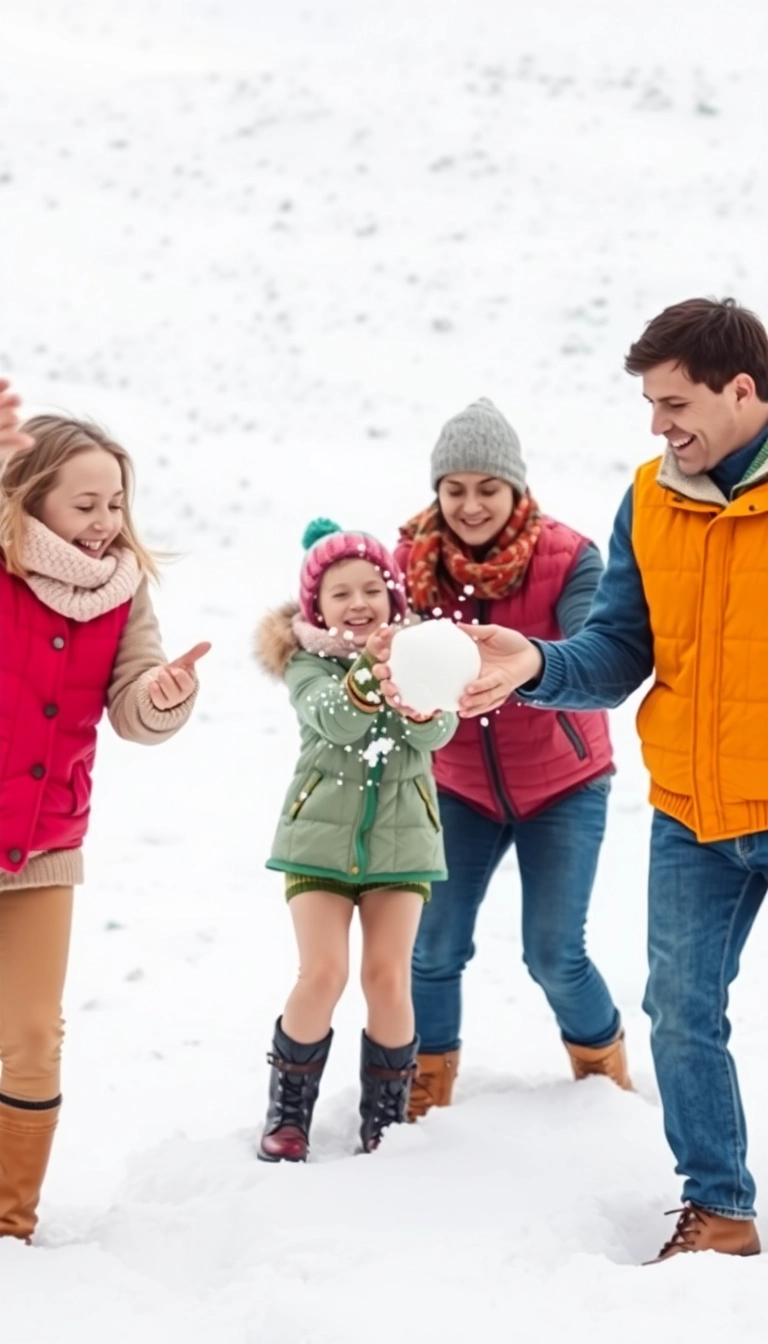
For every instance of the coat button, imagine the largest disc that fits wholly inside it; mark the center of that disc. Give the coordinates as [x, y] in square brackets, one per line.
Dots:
[50, 711]
[15, 855]
[354, 870]
[37, 771]
[58, 641]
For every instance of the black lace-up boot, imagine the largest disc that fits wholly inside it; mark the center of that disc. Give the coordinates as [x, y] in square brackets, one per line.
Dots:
[385, 1076]
[294, 1083]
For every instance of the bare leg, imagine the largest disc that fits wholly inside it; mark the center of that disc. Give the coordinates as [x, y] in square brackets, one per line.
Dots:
[321, 922]
[390, 920]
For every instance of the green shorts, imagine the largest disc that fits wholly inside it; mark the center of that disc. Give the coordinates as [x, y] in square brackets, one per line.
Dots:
[296, 883]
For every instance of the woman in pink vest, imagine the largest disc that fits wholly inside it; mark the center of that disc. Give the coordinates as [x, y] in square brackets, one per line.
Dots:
[78, 636]
[534, 779]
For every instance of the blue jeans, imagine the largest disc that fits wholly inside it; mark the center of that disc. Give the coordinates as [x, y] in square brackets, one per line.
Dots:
[557, 855]
[703, 899]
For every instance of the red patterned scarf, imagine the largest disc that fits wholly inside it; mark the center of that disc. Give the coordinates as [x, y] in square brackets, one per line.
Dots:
[440, 566]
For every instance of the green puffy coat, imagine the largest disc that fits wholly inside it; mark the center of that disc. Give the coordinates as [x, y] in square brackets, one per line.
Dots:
[362, 804]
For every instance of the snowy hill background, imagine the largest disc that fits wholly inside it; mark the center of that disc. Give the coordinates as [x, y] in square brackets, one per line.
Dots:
[274, 247]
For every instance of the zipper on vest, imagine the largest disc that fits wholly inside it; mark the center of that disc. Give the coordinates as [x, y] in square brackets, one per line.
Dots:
[488, 741]
[572, 734]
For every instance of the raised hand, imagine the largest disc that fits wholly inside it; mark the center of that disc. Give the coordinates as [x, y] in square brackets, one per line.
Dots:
[175, 682]
[508, 660]
[11, 438]
[378, 644]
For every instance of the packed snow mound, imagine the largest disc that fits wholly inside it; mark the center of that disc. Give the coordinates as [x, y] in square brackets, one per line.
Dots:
[432, 664]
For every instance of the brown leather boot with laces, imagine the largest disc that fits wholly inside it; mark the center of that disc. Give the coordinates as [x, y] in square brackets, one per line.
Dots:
[698, 1230]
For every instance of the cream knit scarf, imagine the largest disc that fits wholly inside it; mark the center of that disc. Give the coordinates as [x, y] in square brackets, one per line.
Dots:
[73, 583]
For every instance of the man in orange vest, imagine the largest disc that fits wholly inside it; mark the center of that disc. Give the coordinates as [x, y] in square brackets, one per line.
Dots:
[684, 598]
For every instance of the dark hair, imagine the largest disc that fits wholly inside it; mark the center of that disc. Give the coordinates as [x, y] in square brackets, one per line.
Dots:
[712, 340]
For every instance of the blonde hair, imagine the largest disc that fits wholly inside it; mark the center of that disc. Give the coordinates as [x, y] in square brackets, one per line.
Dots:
[30, 475]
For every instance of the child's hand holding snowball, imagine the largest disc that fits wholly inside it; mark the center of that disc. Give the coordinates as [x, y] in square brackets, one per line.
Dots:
[379, 648]
[428, 664]
[378, 644]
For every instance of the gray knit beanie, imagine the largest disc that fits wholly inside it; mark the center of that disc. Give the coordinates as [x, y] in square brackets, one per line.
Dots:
[479, 439]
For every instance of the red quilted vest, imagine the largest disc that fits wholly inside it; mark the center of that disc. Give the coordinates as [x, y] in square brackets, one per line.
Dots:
[54, 675]
[525, 759]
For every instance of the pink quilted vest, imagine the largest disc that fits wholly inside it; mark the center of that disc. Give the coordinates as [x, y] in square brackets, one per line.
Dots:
[524, 760]
[54, 675]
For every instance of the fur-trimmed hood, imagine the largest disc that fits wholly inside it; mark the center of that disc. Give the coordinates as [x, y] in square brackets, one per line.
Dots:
[283, 632]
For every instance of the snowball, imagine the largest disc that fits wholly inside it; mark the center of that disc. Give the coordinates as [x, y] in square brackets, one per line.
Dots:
[431, 664]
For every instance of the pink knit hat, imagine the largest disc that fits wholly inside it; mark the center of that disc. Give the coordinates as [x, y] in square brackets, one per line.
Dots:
[325, 544]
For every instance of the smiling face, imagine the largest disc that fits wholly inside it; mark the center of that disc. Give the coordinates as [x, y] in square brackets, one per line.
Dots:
[85, 506]
[475, 507]
[354, 599]
[701, 426]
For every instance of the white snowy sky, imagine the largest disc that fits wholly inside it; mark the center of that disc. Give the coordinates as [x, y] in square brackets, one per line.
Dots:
[274, 247]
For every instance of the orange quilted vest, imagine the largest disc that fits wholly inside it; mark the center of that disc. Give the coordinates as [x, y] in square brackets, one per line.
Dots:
[704, 723]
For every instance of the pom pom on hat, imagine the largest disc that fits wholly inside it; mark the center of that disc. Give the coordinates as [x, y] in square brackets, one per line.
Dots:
[316, 530]
[327, 544]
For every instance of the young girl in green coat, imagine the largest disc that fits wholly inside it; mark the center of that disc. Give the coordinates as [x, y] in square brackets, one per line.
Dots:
[360, 826]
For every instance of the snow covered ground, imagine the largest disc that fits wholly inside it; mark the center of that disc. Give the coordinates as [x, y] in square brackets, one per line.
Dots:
[274, 247]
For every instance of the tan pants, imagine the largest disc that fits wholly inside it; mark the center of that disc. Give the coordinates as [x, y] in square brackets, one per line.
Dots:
[35, 924]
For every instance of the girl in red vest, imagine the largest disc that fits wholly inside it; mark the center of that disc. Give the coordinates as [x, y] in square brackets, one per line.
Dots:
[78, 635]
[538, 780]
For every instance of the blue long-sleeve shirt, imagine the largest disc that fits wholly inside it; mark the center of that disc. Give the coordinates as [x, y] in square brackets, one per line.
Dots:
[612, 655]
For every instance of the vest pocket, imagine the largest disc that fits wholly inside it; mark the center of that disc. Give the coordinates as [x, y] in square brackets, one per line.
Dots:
[81, 790]
[423, 790]
[307, 788]
[573, 736]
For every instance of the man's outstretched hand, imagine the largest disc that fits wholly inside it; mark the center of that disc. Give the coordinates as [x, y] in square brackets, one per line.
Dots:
[508, 660]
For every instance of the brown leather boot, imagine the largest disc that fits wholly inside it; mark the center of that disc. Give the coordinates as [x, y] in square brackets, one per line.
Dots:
[609, 1060]
[698, 1230]
[26, 1139]
[433, 1084]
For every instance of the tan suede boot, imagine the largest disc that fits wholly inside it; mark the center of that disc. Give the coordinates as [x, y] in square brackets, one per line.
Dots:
[698, 1230]
[609, 1060]
[26, 1139]
[433, 1083]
